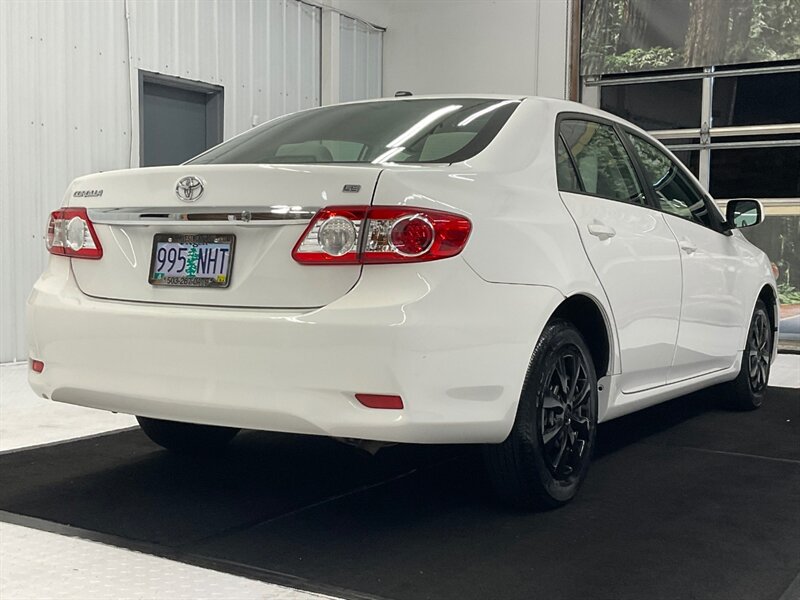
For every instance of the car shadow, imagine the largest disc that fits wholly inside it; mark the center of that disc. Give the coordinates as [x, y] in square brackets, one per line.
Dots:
[641, 425]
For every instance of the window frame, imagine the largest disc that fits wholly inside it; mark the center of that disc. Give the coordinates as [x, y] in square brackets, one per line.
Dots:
[715, 216]
[638, 174]
[572, 164]
[651, 202]
[214, 106]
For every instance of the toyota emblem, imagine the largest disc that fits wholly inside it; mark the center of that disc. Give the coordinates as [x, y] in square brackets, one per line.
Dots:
[189, 188]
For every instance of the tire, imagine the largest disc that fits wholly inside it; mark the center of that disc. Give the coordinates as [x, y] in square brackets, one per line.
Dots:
[746, 392]
[186, 438]
[544, 460]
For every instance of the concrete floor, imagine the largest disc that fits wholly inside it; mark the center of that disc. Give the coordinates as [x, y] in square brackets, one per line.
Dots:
[27, 420]
[39, 564]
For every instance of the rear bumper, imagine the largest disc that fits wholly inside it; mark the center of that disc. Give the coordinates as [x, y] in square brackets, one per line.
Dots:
[453, 346]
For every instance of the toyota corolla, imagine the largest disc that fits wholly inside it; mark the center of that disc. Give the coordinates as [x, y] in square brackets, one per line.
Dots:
[470, 269]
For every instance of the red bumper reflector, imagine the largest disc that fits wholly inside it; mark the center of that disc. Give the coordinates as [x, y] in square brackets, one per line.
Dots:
[380, 401]
[37, 366]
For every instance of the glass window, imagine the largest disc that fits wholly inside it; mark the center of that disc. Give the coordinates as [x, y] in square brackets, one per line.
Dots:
[659, 105]
[565, 170]
[690, 159]
[756, 99]
[755, 172]
[604, 167]
[319, 151]
[441, 130]
[674, 192]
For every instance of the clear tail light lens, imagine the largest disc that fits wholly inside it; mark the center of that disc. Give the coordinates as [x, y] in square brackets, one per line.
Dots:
[318, 244]
[71, 233]
[379, 234]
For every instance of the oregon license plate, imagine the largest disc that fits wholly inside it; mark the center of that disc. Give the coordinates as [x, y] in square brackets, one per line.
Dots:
[192, 260]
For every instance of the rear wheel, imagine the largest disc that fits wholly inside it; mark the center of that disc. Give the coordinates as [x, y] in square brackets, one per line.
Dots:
[746, 392]
[545, 458]
[186, 437]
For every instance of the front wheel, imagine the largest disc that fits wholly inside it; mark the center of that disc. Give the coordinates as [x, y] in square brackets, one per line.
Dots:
[545, 458]
[746, 392]
[187, 438]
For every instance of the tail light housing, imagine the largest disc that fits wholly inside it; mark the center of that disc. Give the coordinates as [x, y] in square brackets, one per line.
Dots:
[381, 235]
[70, 233]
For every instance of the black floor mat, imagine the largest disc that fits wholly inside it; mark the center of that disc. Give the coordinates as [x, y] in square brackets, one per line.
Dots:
[684, 500]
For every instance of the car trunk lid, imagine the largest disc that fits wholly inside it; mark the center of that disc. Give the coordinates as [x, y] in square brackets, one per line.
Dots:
[265, 207]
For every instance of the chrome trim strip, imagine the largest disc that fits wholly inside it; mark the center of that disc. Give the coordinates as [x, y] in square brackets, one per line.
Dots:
[215, 215]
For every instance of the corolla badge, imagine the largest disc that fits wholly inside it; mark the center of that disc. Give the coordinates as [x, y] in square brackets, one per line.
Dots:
[189, 188]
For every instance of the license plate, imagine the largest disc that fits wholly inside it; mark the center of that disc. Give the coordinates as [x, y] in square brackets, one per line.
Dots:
[187, 260]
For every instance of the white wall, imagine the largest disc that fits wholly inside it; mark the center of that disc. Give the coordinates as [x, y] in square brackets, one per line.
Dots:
[67, 91]
[462, 46]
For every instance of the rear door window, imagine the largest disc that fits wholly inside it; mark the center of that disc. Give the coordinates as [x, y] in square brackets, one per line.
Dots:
[565, 170]
[604, 167]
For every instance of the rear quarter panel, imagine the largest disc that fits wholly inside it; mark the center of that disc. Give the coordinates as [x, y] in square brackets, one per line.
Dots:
[522, 232]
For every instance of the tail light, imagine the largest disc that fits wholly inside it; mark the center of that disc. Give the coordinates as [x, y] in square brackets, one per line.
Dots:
[379, 235]
[71, 233]
[380, 401]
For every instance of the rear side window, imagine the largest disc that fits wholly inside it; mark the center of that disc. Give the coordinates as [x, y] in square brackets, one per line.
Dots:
[565, 171]
[604, 167]
[673, 190]
[441, 130]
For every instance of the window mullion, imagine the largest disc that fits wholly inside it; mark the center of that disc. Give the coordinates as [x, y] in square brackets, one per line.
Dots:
[706, 123]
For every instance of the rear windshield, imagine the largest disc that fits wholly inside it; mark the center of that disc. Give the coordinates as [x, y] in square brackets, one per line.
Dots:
[398, 131]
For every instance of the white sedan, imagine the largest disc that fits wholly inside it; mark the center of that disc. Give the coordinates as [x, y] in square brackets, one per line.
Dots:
[464, 269]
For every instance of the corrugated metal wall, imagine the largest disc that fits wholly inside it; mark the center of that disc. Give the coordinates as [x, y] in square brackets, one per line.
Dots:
[66, 92]
[265, 54]
[360, 58]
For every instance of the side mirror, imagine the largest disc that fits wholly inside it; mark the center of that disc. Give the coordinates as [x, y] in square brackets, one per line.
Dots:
[745, 212]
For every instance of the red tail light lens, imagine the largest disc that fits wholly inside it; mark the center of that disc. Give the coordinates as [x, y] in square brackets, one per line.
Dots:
[363, 234]
[71, 233]
[412, 235]
[380, 401]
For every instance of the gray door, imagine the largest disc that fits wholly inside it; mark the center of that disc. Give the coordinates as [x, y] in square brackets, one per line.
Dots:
[179, 119]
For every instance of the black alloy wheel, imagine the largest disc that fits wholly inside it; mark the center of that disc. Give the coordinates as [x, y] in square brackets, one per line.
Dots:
[747, 391]
[545, 458]
[565, 421]
[759, 352]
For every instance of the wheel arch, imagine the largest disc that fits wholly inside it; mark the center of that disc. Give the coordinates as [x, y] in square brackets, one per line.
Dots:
[588, 315]
[769, 297]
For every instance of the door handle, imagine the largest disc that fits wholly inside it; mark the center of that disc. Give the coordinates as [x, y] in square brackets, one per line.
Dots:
[687, 246]
[601, 231]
